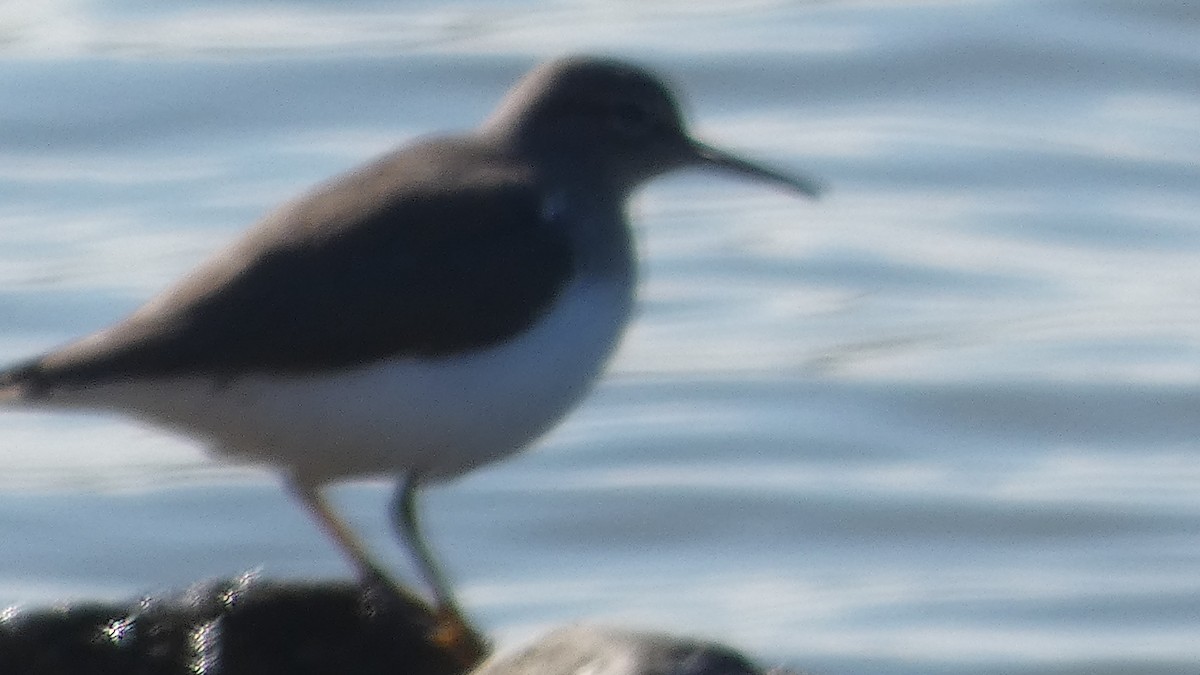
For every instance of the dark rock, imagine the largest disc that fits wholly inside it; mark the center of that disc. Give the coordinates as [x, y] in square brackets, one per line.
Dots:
[232, 627]
[248, 626]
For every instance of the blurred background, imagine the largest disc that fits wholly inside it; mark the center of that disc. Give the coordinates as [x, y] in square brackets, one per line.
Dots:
[943, 420]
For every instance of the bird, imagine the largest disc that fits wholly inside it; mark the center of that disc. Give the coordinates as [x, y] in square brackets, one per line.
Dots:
[434, 310]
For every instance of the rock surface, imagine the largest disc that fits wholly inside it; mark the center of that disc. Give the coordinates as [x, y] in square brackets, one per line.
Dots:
[242, 626]
[599, 650]
[248, 626]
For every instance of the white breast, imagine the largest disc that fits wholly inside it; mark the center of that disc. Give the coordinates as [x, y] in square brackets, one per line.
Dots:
[438, 417]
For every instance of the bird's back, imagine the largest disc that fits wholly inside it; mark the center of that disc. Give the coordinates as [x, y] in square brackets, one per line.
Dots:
[434, 250]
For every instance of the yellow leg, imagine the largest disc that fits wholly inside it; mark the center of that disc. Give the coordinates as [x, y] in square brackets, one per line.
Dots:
[310, 496]
[454, 632]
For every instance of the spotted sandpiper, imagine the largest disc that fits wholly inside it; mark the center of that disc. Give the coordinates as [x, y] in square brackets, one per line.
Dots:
[434, 310]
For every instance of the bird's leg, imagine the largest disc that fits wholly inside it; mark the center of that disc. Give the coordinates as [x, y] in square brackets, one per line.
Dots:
[454, 632]
[404, 520]
[371, 575]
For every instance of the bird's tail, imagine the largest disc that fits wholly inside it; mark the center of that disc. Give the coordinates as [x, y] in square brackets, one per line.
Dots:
[15, 384]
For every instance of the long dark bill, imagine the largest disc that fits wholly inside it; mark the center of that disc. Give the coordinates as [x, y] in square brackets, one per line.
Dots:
[707, 155]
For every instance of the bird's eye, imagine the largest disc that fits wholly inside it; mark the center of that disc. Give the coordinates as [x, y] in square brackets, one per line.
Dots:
[631, 119]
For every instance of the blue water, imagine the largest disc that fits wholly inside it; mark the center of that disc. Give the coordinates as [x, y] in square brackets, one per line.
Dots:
[944, 420]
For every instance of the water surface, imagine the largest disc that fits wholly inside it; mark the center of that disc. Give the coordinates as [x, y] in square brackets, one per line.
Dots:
[943, 420]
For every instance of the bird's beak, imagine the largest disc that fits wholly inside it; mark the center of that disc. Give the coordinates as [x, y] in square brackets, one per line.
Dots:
[706, 155]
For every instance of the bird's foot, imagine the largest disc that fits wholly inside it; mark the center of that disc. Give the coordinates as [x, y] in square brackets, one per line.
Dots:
[457, 638]
[449, 631]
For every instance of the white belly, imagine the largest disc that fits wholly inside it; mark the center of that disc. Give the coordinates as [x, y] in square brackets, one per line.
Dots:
[438, 417]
